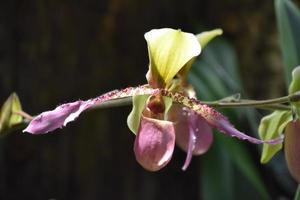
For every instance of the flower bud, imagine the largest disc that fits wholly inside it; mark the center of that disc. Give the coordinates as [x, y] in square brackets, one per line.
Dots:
[292, 149]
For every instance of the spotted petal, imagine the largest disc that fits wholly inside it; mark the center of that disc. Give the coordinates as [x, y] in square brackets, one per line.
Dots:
[215, 118]
[154, 143]
[65, 113]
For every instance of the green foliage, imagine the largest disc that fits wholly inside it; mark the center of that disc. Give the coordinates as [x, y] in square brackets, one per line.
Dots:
[272, 126]
[288, 20]
[8, 117]
[214, 76]
[295, 87]
[297, 195]
[295, 84]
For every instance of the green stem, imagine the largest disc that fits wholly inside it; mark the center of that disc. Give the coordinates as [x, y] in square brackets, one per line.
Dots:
[270, 104]
[245, 102]
[274, 103]
[297, 195]
[248, 103]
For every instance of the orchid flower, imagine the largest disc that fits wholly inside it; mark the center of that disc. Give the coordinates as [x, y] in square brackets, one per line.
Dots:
[165, 111]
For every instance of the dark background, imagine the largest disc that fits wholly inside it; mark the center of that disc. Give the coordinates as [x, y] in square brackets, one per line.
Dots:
[53, 52]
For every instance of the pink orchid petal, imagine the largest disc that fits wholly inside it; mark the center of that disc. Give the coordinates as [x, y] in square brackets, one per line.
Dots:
[200, 131]
[193, 134]
[51, 120]
[154, 143]
[65, 113]
[226, 127]
[292, 149]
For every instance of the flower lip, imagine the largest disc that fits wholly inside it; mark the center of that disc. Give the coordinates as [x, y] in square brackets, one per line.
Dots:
[154, 143]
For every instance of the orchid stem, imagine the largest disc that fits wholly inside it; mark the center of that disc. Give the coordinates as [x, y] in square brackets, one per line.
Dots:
[270, 104]
[267, 104]
[247, 103]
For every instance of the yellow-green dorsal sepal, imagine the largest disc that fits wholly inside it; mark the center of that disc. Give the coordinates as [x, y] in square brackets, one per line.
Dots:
[169, 50]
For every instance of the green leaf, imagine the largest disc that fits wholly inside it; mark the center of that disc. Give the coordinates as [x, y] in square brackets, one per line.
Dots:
[138, 106]
[297, 194]
[169, 51]
[231, 155]
[295, 87]
[205, 37]
[241, 157]
[8, 116]
[288, 20]
[295, 84]
[272, 126]
[212, 178]
[218, 70]
[214, 76]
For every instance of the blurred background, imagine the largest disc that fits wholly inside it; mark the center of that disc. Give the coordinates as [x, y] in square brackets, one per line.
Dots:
[54, 52]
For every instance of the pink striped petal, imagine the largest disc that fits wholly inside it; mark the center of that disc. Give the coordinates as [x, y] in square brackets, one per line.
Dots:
[154, 143]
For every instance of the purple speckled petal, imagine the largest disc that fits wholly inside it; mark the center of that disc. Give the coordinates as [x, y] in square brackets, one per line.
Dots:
[65, 113]
[225, 126]
[154, 143]
[215, 118]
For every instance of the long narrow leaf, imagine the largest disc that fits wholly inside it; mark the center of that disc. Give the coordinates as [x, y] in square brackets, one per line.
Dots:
[288, 20]
[218, 75]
